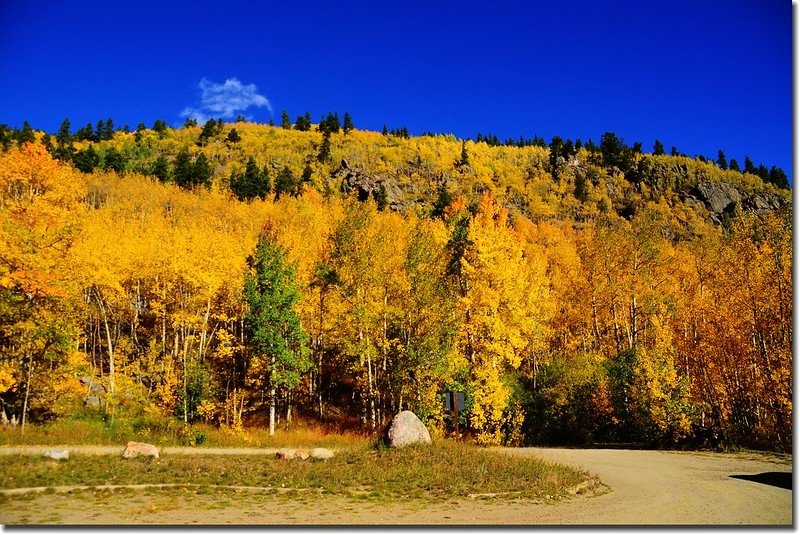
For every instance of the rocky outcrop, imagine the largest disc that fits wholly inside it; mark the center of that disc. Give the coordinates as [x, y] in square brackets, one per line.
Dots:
[720, 198]
[139, 449]
[354, 179]
[407, 429]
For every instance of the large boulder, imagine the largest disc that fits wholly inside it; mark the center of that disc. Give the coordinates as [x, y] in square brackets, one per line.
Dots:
[139, 449]
[321, 454]
[407, 429]
[285, 454]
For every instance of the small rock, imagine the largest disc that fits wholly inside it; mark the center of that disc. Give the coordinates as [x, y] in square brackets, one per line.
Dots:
[285, 453]
[57, 454]
[407, 429]
[91, 401]
[302, 454]
[321, 453]
[136, 449]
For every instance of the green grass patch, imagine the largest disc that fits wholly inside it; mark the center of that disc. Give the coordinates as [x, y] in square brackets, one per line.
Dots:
[442, 471]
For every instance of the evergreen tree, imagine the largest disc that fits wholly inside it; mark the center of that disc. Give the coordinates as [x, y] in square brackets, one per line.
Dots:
[64, 136]
[614, 151]
[86, 133]
[233, 136]
[202, 171]
[108, 132]
[273, 324]
[464, 160]
[86, 160]
[286, 124]
[348, 126]
[674, 151]
[26, 134]
[748, 165]
[722, 162]
[182, 169]
[114, 160]
[160, 169]
[385, 130]
[778, 177]
[190, 122]
[556, 152]
[307, 173]
[47, 142]
[443, 199]
[99, 130]
[208, 131]
[160, 127]
[325, 148]
[285, 182]
[658, 148]
[6, 136]
[734, 165]
[64, 150]
[303, 123]
[253, 183]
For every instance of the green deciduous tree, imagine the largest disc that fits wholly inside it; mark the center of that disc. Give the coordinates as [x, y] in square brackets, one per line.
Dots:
[276, 335]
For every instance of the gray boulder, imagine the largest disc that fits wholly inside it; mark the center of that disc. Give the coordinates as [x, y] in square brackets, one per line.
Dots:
[407, 429]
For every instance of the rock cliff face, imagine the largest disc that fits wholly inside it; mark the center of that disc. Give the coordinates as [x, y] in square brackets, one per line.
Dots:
[356, 180]
[717, 197]
[720, 198]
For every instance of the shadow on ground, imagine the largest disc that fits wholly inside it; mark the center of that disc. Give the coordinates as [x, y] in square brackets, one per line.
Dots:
[776, 479]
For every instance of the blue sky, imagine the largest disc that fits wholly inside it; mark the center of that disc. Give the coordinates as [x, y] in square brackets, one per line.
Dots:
[698, 75]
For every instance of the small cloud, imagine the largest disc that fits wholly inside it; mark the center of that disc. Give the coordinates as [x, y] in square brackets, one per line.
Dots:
[225, 100]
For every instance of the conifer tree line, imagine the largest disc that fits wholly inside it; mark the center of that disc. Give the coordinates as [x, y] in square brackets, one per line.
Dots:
[234, 281]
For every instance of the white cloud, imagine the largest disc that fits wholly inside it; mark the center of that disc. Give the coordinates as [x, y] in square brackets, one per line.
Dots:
[225, 100]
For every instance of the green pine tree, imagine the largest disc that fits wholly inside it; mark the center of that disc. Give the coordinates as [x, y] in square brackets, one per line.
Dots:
[201, 171]
[347, 126]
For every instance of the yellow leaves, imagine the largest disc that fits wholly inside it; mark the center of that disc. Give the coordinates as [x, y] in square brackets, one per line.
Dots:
[7, 376]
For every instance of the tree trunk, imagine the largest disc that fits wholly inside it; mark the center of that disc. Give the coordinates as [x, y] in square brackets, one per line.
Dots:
[27, 394]
[272, 394]
[109, 341]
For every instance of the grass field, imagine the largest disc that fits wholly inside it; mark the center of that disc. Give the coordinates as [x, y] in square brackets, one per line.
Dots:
[442, 471]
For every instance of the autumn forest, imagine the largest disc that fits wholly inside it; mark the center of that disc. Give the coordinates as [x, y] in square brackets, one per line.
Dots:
[237, 273]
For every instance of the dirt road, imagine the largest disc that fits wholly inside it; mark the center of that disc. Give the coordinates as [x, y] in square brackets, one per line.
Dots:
[647, 487]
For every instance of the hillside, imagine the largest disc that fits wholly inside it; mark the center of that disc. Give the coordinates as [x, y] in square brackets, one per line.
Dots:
[574, 295]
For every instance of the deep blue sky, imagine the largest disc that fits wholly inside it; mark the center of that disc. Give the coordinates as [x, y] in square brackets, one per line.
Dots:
[700, 75]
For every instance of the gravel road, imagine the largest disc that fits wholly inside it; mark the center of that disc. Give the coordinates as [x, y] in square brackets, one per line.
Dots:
[657, 487]
[646, 488]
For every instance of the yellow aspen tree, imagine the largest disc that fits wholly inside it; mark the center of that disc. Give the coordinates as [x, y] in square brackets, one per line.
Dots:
[39, 214]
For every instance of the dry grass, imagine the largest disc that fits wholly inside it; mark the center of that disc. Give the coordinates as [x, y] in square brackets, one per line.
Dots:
[167, 432]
